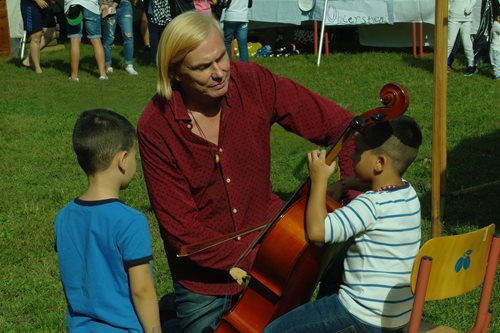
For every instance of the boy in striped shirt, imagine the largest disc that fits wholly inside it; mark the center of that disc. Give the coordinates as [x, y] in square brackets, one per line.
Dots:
[383, 228]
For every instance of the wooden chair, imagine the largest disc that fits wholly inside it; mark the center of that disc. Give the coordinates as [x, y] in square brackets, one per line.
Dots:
[451, 266]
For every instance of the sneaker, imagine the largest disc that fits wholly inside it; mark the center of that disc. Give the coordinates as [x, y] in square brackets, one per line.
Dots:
[102, 77]
[73, 80]
[109, 69]
[450, 69]
[130, 69]
[471, 70]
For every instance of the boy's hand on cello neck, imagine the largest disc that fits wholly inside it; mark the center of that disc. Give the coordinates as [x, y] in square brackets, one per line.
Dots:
[316, 212]
[319, 171]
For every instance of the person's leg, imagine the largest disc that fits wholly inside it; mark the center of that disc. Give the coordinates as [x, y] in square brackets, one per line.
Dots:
[35, 51]
[93, 28]
[453, 29]
[198, 313]
[465, 31]
[155, 32]
[495, 62]
[74, 51]
[326, 315]
[99, 56]
[154, 37]
[126, 21]
[229, 28]
[241, 37]
[144, 29]
[495, 49]
[49, 26]
[46, 36]
[108, 37]
[75, 33]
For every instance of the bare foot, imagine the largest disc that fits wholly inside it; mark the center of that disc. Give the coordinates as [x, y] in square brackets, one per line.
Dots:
[26, 62]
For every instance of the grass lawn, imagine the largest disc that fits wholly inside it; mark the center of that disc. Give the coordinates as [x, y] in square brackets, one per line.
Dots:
[39, 173]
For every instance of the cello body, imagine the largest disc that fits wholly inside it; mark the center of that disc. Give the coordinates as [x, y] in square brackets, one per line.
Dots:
[287, 266]
[295, 265]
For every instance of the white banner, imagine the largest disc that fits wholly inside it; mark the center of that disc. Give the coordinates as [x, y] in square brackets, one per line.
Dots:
[357, 12]
[345, 12]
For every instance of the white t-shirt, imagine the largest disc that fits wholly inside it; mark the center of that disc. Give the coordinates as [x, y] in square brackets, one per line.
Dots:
[385, 226]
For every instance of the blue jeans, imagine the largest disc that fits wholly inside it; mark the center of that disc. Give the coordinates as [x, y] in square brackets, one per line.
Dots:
[124, 18]
[199, 313]
[241, 31]
[92, 22]
[326, 315]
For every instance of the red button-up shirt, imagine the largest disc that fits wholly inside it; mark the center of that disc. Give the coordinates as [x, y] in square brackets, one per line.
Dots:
[196, 199]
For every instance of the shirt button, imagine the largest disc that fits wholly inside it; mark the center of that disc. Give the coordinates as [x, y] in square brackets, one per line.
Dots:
[221, 150]
[238, 238]
[235, 211]
[189, 126]
[228, 180]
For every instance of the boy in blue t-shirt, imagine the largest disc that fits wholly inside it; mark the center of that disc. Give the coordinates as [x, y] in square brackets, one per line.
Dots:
[103, 246]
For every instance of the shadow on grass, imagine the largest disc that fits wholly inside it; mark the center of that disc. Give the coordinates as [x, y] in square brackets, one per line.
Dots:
[426, 62]
[87, 65]
[473, 185]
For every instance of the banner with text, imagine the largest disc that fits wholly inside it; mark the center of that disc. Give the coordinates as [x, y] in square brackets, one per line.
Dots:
[358, 12]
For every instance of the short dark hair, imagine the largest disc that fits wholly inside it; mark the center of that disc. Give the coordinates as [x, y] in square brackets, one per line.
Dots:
[400, 138]
[98, 135]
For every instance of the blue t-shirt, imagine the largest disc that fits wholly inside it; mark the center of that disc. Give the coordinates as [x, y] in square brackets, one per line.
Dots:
[96, 243]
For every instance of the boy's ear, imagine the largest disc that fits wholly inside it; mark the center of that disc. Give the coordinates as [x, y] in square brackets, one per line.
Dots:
[381, 162]
[120, 157]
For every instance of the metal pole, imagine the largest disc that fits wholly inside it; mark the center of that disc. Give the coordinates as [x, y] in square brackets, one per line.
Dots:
[23, 45]
[322, 32]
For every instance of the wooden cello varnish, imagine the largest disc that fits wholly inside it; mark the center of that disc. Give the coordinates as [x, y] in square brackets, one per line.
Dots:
[294, 265]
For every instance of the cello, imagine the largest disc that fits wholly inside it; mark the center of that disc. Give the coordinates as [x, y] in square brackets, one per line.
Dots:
[287, 267]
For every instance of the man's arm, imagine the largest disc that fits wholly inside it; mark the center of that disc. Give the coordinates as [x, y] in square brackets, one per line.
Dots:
[306, 113]
[144, 298]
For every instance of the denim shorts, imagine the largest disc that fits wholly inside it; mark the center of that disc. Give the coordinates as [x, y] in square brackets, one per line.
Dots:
[92, 22]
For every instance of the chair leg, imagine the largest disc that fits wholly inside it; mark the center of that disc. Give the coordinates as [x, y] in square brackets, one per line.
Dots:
[424, 272]
[489, 281]
[487, 322]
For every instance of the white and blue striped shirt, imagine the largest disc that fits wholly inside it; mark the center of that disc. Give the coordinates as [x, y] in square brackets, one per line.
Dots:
[386, 229]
